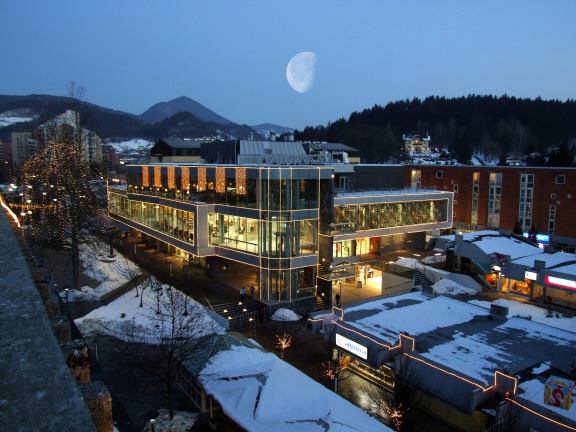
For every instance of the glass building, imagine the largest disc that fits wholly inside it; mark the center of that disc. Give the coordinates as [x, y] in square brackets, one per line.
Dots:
[286, 221]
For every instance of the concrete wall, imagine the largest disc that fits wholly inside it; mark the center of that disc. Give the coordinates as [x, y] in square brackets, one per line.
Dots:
[51, 400]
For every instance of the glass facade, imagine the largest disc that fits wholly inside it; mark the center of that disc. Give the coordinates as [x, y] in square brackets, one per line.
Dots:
[168, 220]
[386, 215]
[270, 217]
[287, 201]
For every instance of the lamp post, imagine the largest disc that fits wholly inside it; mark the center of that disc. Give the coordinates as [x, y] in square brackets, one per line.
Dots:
[152, 425]
[67, 304]
[170, 265]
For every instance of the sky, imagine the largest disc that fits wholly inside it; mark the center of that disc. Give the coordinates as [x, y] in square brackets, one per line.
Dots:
[231, 56]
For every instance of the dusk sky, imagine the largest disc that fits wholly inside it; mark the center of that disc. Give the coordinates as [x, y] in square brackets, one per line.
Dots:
[231, 56]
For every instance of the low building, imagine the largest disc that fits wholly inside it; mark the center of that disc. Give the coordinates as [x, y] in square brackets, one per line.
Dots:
[512, 265]
[462, 363]
[414, 143]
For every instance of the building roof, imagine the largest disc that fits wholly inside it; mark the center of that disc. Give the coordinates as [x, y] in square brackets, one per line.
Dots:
[260, 392]
[186, 143]
[462, 336]
[319, 146]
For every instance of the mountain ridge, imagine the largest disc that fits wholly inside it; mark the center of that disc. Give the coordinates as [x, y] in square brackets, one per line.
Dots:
[182, 117]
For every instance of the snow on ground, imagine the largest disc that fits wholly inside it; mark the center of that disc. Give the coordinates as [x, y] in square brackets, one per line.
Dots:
[10, 120]
[408, 262]
[284, 314]
[182, 421]
[537, 313]
[131, 144]
[447, 286]
[124, 315]
[111, 273]
[434, 259]
[256, 388]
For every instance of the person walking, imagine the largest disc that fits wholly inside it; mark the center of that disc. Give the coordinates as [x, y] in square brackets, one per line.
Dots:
[242, 294]
[337, 299]
[252, 291]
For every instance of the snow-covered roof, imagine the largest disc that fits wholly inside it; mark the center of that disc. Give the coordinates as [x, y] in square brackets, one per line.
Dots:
[260, 392]
[462, 336]
[551, 259]
[492, 241]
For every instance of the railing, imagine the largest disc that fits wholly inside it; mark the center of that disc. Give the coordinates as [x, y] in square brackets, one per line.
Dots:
[387, 191]
[427, 273]
[208, 303]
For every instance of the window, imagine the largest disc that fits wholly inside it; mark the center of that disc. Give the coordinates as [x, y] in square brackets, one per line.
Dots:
[553, 196]
[551, 219]
[494, 197]
[526, 200]
[455, 190]
[438, 174]
[560, 179]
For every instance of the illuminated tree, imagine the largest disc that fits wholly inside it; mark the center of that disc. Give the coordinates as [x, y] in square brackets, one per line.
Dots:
[56, 180]
[283, 343]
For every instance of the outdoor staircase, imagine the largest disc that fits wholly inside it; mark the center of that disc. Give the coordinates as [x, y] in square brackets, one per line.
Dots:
[240, 313]
[419, 278]
[321, 304]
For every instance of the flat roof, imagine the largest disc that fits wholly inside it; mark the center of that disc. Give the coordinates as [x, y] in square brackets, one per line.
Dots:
[463, 336]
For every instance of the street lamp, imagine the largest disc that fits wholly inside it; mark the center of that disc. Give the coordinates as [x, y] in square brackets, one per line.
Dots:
[67, 306]
[170, 265]
[152, 425]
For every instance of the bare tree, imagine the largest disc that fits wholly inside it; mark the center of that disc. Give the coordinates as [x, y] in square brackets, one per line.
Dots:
[179, 332]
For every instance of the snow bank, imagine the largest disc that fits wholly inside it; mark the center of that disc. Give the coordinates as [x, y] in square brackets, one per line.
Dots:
[447, 286]
[285, 315]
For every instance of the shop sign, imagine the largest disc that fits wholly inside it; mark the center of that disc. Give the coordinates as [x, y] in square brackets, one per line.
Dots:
[351, 346]
[559, 392]
[529, 274]
[559, 282]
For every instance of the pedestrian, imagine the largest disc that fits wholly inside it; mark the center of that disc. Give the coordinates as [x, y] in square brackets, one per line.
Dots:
[252, 290]
[155, 248]
[125, 234]
[337, 299]
[242, 294]
[146, 242]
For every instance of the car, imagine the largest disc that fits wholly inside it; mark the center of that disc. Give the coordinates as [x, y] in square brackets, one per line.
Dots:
[110, 230]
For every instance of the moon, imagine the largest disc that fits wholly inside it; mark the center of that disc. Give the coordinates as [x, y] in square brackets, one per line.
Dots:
[301, 71]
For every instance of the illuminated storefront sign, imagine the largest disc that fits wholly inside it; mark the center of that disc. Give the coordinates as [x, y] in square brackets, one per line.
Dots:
[529, 274]
[563, 283]
[351, 346]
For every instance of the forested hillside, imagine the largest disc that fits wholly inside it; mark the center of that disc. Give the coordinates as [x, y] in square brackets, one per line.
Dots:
[493, 126]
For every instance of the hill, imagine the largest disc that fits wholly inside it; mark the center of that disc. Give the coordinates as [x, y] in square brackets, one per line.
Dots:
[495, 127]
[164, 110]
[108, 123]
